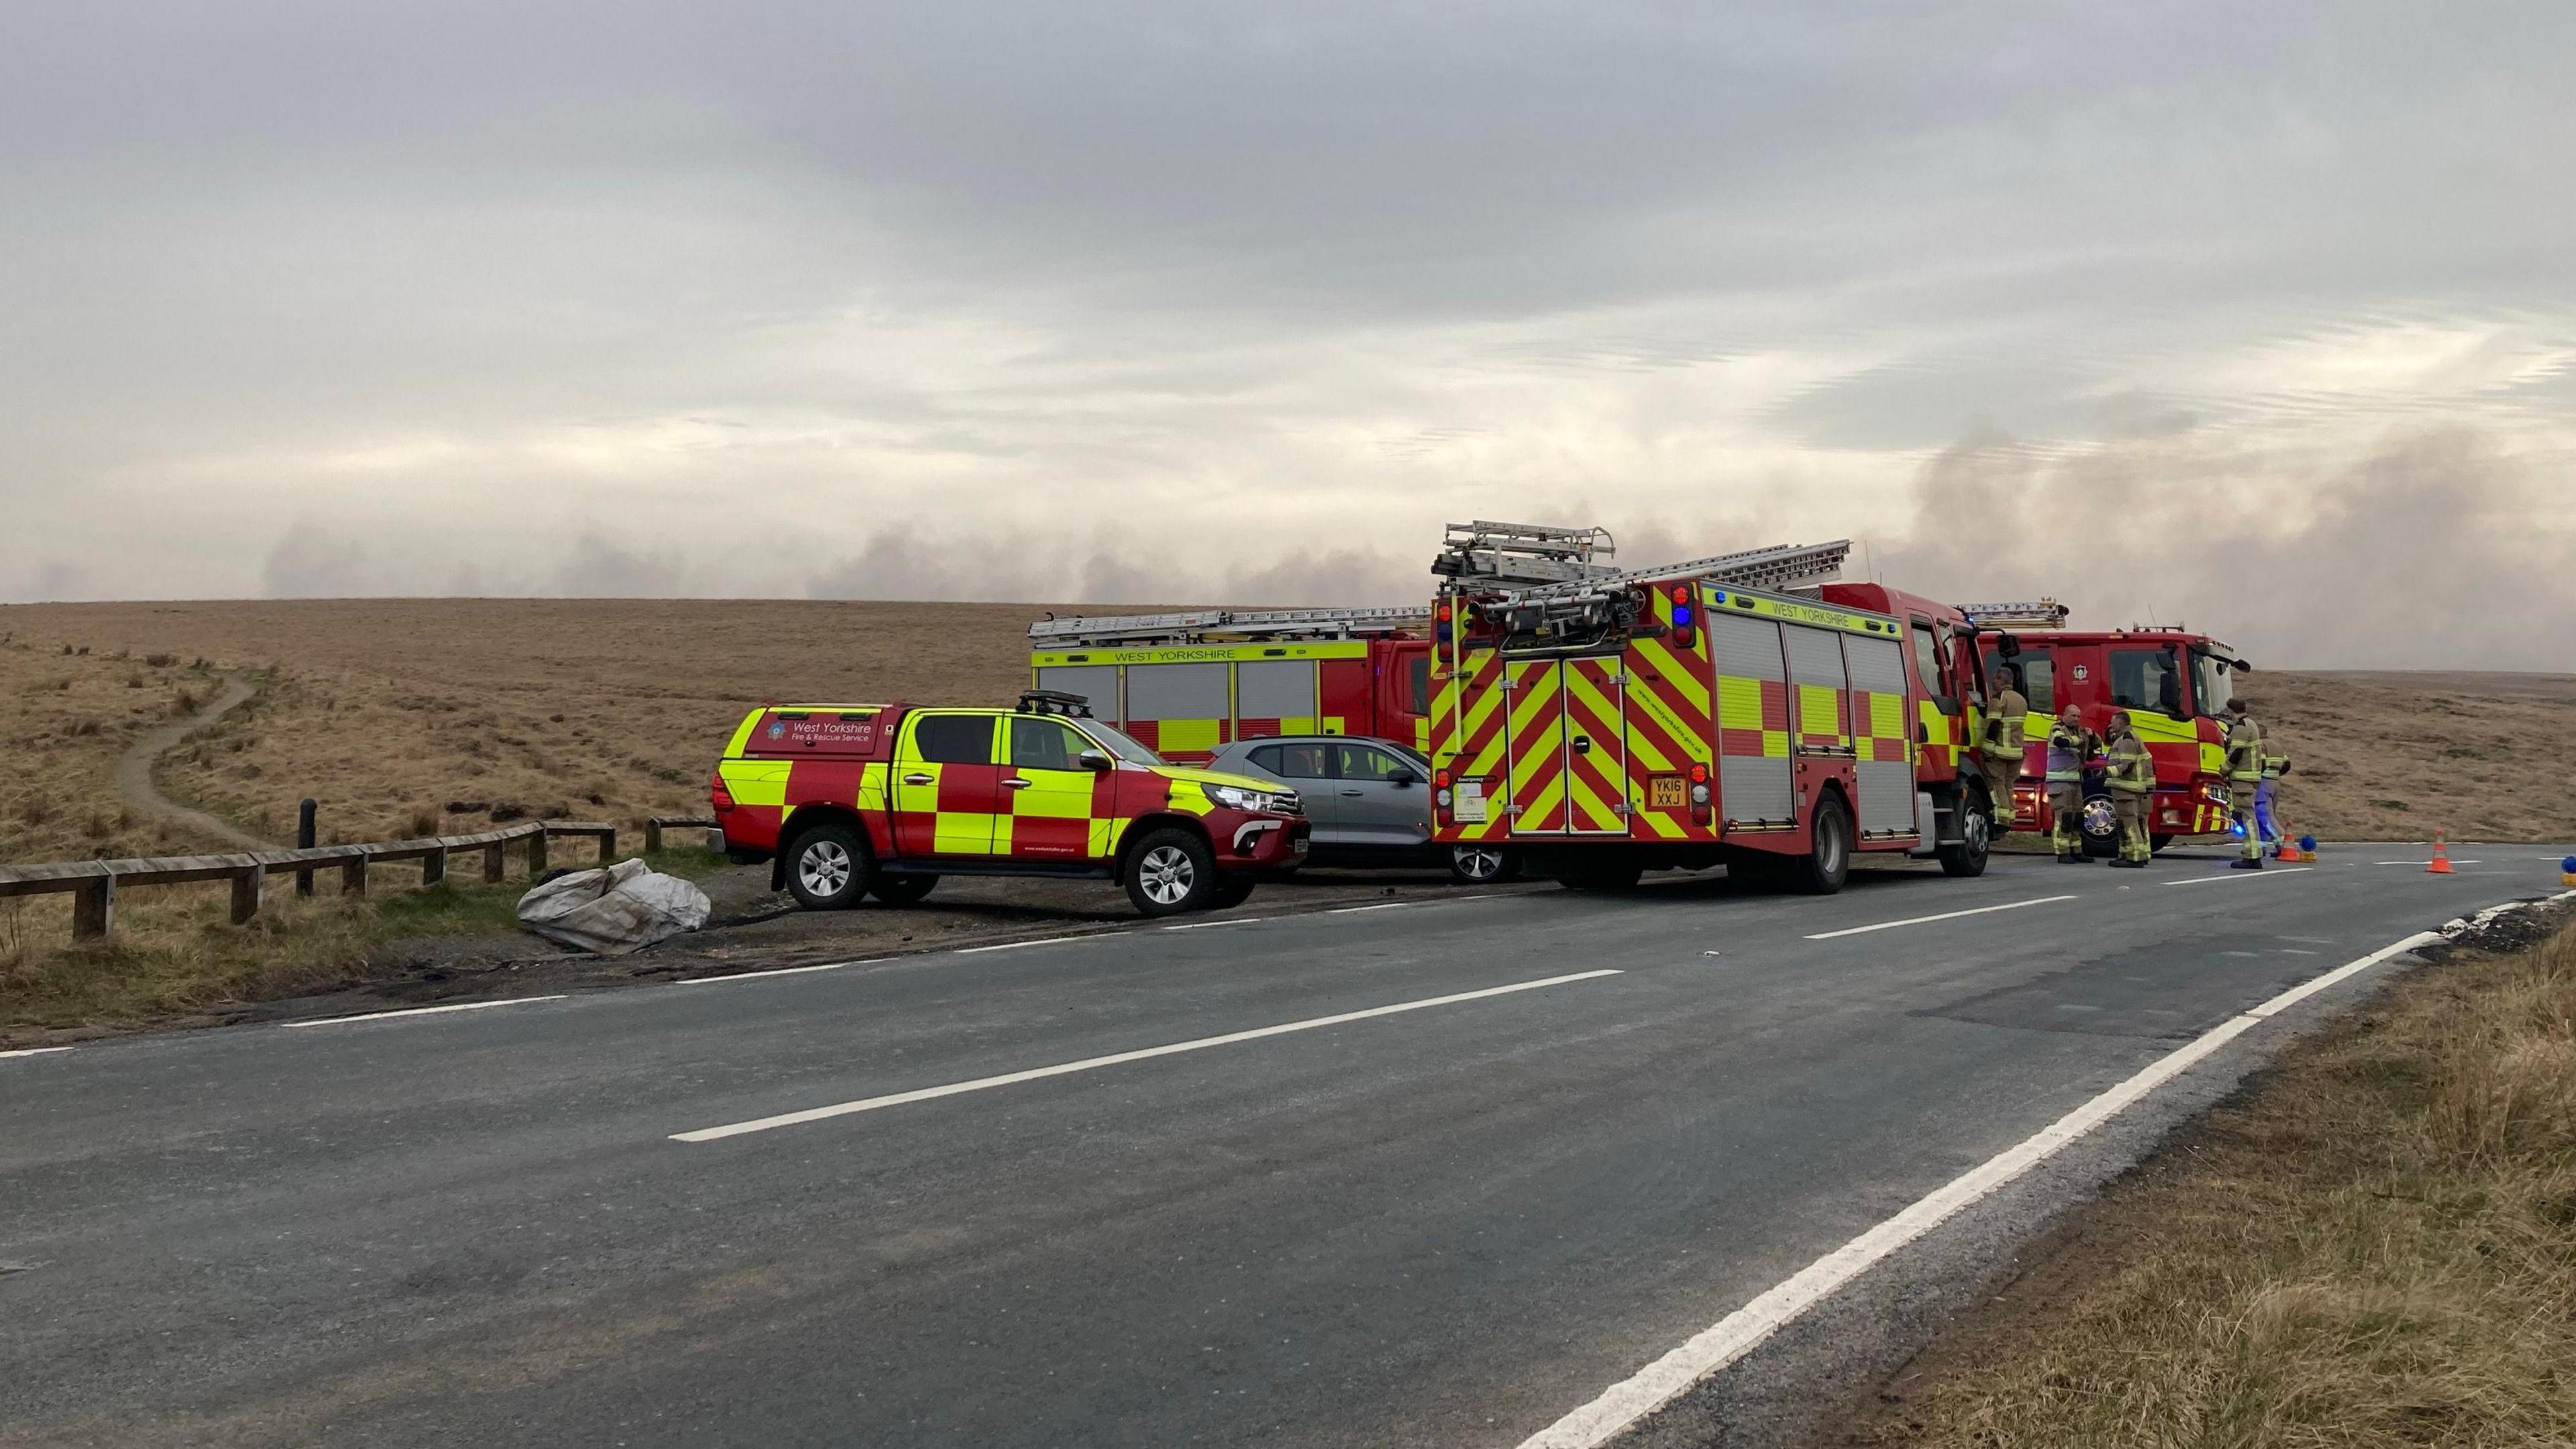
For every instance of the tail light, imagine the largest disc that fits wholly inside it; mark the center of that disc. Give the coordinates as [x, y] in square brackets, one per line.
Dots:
[1440, 796]
[716, 791]
[1685, 630]
[1440, 615]
[1699, 801]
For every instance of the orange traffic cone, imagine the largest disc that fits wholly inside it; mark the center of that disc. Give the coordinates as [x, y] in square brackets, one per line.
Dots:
[2441, 862]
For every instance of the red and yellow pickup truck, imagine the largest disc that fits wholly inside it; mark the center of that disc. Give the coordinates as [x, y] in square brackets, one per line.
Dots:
[849, 800]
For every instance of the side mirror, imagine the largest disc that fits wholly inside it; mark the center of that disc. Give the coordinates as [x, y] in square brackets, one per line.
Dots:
[1093, 760]
[1401, 776]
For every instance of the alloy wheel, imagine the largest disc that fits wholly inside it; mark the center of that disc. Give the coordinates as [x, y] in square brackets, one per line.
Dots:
[823, 868]
[1167, 874]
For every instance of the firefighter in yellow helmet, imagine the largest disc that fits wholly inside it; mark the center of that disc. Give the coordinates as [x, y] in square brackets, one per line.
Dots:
[2132, 779]
[2070, 746]
[1999, 747]
[2245, 780]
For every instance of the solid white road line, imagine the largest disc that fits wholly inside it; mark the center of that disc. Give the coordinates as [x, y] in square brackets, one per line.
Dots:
[1380, 906]
[778, 971]
[1235, 921]
[1731, 1337]
[1042, 941]
[924, 1094]
[33, 1051]
[2238, 875]
[1944, 916]
[425, 1010]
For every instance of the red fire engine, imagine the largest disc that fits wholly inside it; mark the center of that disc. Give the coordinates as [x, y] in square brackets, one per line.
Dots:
[1730, 710]
[2172, 682]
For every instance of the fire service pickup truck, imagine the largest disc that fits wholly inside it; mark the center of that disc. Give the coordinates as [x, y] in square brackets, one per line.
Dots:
[883, 799]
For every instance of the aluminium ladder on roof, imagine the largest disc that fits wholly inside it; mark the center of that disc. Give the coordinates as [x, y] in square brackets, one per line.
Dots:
[1247, 623]
[1523, 553]
[2028, 614]
[1775, 568]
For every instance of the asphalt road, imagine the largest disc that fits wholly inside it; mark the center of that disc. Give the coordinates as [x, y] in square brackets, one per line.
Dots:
[1445, 1224]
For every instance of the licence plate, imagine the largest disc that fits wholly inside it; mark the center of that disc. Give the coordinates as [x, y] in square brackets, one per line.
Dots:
[1297, 846]
[1665, 792]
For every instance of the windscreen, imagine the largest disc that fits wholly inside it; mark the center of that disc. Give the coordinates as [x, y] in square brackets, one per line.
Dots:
[1119, 744]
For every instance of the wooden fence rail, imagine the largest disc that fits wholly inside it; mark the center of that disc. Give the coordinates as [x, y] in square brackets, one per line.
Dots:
[654, 827]
[93, 884]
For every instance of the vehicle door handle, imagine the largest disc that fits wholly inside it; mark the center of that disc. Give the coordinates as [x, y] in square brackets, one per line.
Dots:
[919, 779]
[1016, 783]
[1353, 793]
[1583, 744]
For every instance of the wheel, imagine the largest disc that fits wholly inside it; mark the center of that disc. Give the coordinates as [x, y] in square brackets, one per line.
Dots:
[1231, 891]
[1170, 871]
[1482, 864]
[901, 890]
[1827, 863]
[1976, 837]
[828, 868]
[2101, 827]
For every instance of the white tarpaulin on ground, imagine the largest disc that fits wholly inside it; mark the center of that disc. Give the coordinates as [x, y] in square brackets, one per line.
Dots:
[623, 908]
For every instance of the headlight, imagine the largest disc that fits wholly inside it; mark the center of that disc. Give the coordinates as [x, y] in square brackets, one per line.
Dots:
[1267, 802]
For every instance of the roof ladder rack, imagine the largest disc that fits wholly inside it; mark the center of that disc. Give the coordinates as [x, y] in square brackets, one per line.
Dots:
[1776, 568]
[1199, 624]
[1523, 553]
[2030, 614]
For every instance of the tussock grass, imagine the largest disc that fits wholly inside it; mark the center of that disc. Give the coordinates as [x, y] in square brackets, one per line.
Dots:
[2379, 1248]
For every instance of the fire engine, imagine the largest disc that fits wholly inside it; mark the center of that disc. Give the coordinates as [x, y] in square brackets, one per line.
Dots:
[2172, 682]
[1186, 684]
[852, 800]
[1742, 710]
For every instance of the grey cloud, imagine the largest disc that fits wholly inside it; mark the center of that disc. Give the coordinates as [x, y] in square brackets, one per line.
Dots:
[314, 562]
[2434, 551]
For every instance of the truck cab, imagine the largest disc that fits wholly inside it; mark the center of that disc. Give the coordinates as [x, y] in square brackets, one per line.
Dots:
[2172, 682]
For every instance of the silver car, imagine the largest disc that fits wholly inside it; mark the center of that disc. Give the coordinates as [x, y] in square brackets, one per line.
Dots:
[1367, 801]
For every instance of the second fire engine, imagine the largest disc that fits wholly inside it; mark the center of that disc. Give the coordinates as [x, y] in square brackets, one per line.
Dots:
[1735, 710]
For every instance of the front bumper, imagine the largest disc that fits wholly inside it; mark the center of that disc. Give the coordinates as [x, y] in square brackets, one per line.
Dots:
[1263, 842]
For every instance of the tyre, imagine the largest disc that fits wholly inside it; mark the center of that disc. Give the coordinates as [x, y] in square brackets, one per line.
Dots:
[1976, 837]
[902, 890]
[1827, 863]
[828, 868]
[1170, 871]
[1231, 891]
[2101, 826]
[1482, 864]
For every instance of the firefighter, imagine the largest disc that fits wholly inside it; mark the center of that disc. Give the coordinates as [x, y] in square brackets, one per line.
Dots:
[2132, 779]
[2070, 746]
[2276, 763]
[2245, 780]
[1999, 747]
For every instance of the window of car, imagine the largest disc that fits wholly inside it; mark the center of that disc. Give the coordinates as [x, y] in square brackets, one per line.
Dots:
[1366, 762]
[1419, 676]
[954, 739]
[1292, 761]
[1928, 663]
[1120, 743]
[1044, 744]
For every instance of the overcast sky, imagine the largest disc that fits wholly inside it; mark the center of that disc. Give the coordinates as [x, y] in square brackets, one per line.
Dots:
[2260, 317]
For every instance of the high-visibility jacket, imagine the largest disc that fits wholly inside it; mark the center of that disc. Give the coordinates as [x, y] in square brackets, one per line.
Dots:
[2245, 751]
[2068, 749]
[2275, 766]
[2003, 736]
[2133, 770]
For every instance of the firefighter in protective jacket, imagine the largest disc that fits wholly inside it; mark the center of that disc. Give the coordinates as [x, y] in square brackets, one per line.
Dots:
[2245, 779]
[1999, 748]
[2070, 745]
[2132, 779]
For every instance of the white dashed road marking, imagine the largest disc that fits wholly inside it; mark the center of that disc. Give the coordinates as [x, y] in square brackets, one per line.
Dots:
[779, 971]
[34, 1051]
[1087, 1064]
[1944, 916]
[2239, 875]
